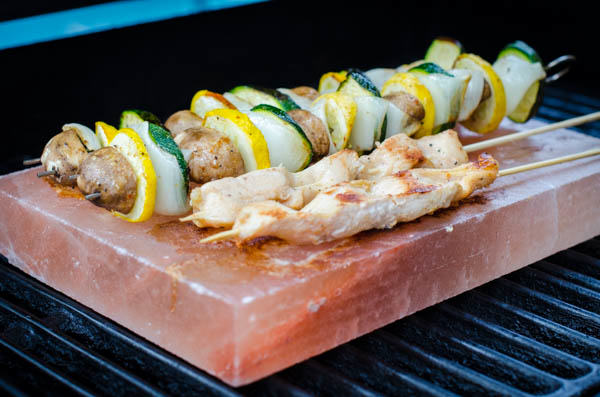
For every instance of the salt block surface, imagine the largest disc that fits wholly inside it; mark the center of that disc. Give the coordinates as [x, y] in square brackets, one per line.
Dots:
[242, 313]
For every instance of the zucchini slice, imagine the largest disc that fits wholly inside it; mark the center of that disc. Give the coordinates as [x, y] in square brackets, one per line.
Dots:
[358, 84]
[260, 95]
[444, 51]
[288, 145]
[172, 179]
[131, 117]
[522, 74]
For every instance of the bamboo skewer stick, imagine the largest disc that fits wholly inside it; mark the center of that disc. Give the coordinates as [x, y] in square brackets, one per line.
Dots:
[32, 161]
[220, 236]
[540, 130]
[545, 163]
[509, 171]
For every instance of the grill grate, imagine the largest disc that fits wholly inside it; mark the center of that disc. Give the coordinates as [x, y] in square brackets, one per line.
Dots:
[533, 332]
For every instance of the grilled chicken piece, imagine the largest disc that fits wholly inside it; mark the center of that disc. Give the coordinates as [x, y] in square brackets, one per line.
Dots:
[442, 150]
[106, 171]
[351, 207]
[397, 153]
[217, 203]
[63, 154]
[181, 121]
[210, 154]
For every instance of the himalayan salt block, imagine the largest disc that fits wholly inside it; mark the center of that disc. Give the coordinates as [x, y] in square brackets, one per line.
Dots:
[242, 313]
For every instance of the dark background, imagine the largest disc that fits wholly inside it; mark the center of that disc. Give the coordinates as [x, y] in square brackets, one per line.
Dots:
[159, 66]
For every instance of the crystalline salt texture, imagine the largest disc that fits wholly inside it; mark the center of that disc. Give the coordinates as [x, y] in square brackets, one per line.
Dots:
[243, 313]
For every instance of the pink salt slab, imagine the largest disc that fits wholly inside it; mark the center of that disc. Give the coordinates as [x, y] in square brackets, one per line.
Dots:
[242, 313]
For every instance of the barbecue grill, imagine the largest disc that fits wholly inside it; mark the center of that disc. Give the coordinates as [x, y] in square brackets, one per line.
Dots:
[533, 332]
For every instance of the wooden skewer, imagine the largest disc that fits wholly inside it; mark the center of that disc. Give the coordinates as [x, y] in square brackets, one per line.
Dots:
[92, 196]
[540, 130]
[544, 163]
[46, 173]
[32, 161]
[509, 171]
[220, 236]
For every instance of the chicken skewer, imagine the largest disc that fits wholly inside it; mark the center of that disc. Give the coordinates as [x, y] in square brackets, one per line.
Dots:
[352, 207]
[217, 203]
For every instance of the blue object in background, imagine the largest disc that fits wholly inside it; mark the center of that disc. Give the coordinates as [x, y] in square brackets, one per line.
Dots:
[97, 18]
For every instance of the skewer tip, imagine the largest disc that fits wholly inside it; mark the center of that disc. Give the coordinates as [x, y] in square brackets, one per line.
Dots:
[32, 161]
[92, 196]
[42, 174]
[220, 236]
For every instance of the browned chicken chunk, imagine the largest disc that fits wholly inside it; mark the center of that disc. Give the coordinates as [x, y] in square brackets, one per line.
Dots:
[106, 171]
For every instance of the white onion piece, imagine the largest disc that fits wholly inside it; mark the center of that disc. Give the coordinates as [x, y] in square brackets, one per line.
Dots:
[380, 75]
[318, 109]
[238, 102]
[447, 93]
[473, 92]
[517, 76]
[285, 147]
[87, 136]
[301, 101]
[399, 122]
[171, 192]
[370, 113]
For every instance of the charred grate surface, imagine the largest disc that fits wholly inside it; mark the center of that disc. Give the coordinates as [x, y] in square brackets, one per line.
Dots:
[535, 332]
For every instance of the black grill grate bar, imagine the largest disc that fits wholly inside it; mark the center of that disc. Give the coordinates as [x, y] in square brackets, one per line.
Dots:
[144, 351]
[45, 368]
[53, 339]
[453, 368]
[591, 248]
[577, 262]
[571, 276]
[570, 96]
[369, 369]
[569, 107]
[515, 337]
[10, 390]
[579, 319]
[274, 385]
[572, 293]
[508, 370]
[323, 380]
[544, 324]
